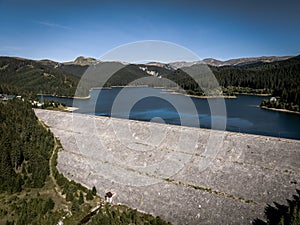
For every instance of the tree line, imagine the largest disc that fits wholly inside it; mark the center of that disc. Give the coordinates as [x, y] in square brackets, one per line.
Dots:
[25, 148]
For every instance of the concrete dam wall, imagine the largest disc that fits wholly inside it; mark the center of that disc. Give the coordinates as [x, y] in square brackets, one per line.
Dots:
[185, 175]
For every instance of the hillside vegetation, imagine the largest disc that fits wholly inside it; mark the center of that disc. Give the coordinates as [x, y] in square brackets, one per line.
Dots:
[33, 77]
[281, 79]
[33, 191]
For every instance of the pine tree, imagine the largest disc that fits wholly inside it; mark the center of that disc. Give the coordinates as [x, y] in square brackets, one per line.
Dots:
[89, 195]
[75, 205]
[81, 200]
[94, 191]
[69, 196]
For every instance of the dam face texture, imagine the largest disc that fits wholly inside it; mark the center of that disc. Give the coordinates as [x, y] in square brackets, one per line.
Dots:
[184, 175]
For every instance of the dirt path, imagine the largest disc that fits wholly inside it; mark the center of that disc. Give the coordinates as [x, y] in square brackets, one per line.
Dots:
[55, 149]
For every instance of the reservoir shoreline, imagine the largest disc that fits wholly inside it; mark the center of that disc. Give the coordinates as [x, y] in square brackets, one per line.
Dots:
[280, 110]
[242, 112]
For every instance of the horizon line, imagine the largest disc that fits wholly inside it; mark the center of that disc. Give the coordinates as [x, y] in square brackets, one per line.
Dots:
[218, 59]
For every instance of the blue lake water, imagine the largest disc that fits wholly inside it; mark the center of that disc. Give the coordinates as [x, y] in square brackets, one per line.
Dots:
[149, 104]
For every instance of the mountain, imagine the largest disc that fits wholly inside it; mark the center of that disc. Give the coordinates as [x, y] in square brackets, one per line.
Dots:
[243, 61]
[36, 76]
[50, 77]
[76, 67]
[230, 62]
[80, 64]
[177, 65]
[83, 61]
[162, 65]
[123, 73]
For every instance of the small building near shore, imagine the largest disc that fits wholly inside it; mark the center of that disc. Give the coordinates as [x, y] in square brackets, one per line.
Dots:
[37, 104]
[5, 97]
[108, 197]
[273, 99]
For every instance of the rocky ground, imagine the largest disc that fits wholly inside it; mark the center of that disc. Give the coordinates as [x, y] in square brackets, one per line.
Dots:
[185, 175]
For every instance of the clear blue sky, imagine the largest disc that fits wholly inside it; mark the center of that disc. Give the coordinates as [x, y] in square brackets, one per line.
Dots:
[62, 30]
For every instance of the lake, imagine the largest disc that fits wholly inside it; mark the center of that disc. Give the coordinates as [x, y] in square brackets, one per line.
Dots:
[150, 104]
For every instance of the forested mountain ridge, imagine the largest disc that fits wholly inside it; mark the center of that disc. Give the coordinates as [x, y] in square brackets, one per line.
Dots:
[245, 61]
[74, 68]
[279, 78]
[34, 77]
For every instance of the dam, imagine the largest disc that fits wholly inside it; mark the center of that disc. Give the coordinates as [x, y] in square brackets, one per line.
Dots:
[184, 175]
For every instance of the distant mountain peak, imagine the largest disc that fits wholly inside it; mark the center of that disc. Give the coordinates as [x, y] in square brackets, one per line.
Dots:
[81, 60]
[181, 64]
[162, 65]
[243, 61]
